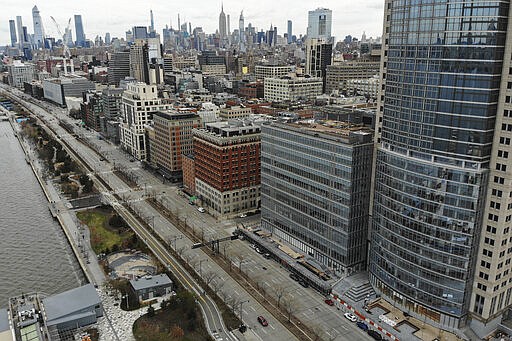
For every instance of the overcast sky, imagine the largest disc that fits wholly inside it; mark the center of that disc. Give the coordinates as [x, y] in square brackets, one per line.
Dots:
[117, 16]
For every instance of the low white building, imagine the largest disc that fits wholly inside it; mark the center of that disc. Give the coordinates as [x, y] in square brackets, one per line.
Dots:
[364, 87]
[235, 112]
[19, 73]
[292, 88]
[209, 112]
[271, 71]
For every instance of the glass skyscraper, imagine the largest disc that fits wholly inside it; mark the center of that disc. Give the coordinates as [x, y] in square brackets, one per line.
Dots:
[79, 30]
[442, 66]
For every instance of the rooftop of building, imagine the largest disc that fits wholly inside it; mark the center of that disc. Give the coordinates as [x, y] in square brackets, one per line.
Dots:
[66, 304]
[351, 133]
[148, 282]
[67, 79]
[175, 115]
[296, 77]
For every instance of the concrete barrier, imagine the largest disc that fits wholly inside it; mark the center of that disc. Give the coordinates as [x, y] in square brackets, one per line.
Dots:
[363, 317]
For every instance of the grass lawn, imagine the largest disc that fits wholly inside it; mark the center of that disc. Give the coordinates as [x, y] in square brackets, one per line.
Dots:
[103, 237]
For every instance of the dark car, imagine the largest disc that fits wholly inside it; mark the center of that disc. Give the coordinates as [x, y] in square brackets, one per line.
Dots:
[294, 277]
[262, 321]
[362, 325]
[304, 284]
[374, 334]
[329, 302]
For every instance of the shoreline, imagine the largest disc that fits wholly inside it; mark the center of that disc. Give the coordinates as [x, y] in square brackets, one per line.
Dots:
[55, 213]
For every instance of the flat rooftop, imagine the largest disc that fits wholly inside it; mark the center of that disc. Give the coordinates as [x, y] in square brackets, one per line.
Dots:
[334, 128]
[70, 302]
[150, 282]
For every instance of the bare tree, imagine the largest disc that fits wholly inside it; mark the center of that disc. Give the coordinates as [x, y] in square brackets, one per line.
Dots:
[225, 295]
[289, 306]
[217, 285]
[180, 250]
[209, 277]
[279, 290]
[318, 333]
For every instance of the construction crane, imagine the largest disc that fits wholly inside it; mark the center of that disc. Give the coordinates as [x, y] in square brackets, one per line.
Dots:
[65, 52]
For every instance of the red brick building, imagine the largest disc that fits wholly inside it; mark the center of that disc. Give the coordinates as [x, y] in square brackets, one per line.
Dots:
[173, 139]
[227, 167]
[188, 167]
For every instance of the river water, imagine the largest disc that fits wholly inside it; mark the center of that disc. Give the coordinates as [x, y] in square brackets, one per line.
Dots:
[34, 252]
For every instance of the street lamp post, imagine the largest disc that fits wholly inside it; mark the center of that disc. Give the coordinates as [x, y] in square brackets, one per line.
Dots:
[173, 239]
[241, 311]
[200, 267]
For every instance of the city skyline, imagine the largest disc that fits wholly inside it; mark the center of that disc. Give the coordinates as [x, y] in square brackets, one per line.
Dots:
[347, 20]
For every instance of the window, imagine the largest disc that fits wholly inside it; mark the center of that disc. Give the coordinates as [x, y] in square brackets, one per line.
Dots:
[479, 304]
[501, 167]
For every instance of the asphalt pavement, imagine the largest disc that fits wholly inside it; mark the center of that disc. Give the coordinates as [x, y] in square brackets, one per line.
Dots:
[327, 321]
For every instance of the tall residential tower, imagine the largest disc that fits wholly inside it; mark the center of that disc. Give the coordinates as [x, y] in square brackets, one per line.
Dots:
[442, 177]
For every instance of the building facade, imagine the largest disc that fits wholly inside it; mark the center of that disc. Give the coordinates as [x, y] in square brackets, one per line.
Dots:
[19, 73]
[38, 28]
[315, 189]
[364, 87]
[435, 129]
[92, 109]
[292, 88]
[139, 102]
[118, 67]
[337, 75]
[139, 61]
[173, 140]
[235, 112]
[227, 167]
[79, 31]
[318, 57]
[319, 24]
[271, 71]
[189, 174]
[112, 103]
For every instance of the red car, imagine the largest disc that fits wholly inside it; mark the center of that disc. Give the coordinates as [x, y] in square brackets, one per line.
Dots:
[329, 302]
[262, 321]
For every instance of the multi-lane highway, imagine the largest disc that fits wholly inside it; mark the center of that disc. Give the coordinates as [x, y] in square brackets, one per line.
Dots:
[309, 307]
[103, 170]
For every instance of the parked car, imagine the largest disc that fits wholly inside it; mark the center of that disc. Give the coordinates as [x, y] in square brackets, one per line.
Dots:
[294, 277]
[304, 284]
[262, 321]
[374, 334]
[200, 209]
[362, 325]
[329, 302]
[243, 215]
[350, 317]
[258, 250]
[267, 255]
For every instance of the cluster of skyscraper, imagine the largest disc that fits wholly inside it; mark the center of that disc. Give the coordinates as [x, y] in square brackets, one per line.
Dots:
[434, 185]
[26, 42]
